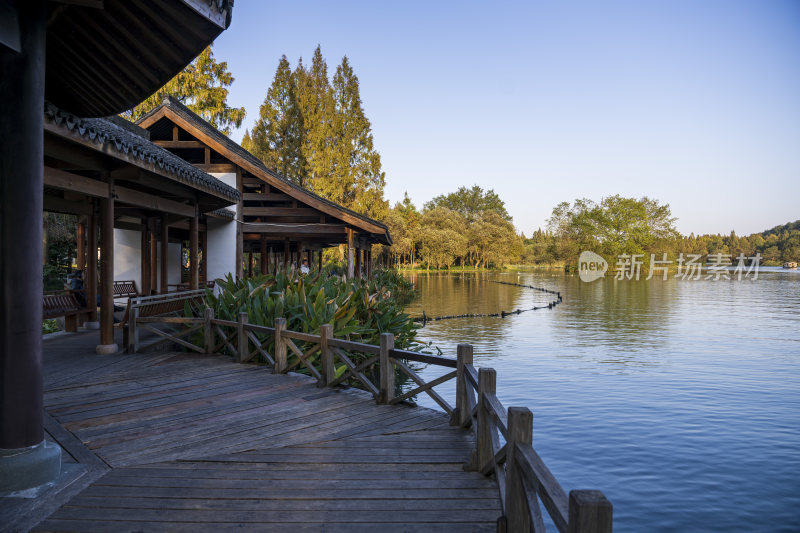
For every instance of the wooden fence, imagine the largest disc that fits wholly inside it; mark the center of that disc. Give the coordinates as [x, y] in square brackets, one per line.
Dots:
[503, 437]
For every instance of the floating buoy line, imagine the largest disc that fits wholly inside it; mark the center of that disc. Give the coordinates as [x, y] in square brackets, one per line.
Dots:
[502, 314]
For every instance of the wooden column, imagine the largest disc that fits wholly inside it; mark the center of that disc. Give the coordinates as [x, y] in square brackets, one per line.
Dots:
[358, 262]
[350, 251]
[107, 345]
[21, 190]
[204, 248]
[144, 286]
[319, 258]
[249, 264]
[164, 255]
[239, 233]
[264, 259]
[194, 267]
[286, 250]
[90, 278]
[369, 262]
[80, 238]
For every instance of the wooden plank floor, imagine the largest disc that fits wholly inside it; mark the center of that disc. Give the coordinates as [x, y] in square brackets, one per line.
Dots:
[199, 443]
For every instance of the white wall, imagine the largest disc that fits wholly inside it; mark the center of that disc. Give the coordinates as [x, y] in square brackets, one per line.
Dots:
[222, 238]
[128, 256]
[174, 264]
[221, 248]
[128, 259]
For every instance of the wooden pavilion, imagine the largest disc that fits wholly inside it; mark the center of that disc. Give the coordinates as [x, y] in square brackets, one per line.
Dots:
[88, 58]
[110, 174]
[275, 220]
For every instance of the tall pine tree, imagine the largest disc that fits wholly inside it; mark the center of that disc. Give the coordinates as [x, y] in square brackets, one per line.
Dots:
[357, 180]
[277, 136]
[316, 134]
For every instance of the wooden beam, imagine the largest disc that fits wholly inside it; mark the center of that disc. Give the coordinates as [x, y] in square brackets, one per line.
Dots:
[150, 201]
[283, 229]
[217, 168]
[279, 211]
[59, 205]
[61, 179]
[266, 197]
[180, 144]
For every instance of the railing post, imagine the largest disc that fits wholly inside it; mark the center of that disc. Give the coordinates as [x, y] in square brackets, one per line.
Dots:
[242, 346]
[326, 355]
[133, 332]
[280, 347]
[487, 383]
[520, 430]
[208, 330]
[462, 413]
[589, 512]
[386, 368]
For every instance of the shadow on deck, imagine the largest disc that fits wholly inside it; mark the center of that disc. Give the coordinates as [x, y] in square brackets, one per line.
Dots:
[179, 442]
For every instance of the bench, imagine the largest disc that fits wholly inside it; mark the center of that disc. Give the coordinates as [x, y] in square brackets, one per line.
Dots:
[160, 305]
[125, 289]
[63, 303]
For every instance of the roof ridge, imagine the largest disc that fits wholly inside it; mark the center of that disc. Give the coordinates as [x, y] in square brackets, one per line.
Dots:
[102, 131]
[175, 104]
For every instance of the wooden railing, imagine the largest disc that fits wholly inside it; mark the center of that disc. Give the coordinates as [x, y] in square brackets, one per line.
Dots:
[503, 437]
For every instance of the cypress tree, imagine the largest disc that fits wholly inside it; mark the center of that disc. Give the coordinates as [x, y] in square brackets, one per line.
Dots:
[357, 180]
[316, 133]
[315, 100]
[278, 134]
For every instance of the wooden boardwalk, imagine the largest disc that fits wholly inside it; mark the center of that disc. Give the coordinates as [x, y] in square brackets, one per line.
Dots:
[178, 442]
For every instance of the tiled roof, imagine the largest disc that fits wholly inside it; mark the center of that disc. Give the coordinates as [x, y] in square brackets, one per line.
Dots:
[191, 116]
[105, 133]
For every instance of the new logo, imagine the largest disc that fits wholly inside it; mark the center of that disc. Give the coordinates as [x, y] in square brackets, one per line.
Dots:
[591, 266]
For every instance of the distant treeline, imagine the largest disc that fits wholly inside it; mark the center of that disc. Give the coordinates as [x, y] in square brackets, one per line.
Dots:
[629, 226]
[471, 228]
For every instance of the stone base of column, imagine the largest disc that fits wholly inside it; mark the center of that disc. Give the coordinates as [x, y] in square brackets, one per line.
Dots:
[91, 325]
[24, 469]
[106, 349]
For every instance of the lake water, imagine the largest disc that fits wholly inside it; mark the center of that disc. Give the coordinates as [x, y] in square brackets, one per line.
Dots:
[680, 400]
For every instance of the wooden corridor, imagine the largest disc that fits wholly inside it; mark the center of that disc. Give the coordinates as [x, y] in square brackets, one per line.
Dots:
[178, 442]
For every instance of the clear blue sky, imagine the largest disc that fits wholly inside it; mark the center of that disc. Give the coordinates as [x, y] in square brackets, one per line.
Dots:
[696, 104]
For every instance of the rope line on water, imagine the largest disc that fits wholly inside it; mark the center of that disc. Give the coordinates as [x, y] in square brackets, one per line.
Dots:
[502, 314]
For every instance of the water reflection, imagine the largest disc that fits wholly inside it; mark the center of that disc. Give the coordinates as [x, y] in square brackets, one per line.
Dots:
[679, 399]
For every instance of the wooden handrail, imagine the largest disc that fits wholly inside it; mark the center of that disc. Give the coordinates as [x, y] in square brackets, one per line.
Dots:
[523, 479]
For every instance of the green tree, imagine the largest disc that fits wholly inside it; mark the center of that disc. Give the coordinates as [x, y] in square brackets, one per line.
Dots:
[316, 133]
[202, 87]
[357, 180]
[316, 105]
[277, 137]
[441, 237]
[471, 202]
